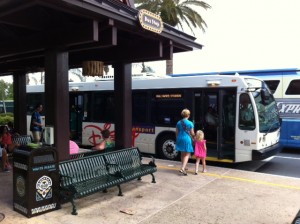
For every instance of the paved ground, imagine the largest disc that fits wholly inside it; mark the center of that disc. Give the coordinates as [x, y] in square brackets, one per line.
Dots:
[221, 196]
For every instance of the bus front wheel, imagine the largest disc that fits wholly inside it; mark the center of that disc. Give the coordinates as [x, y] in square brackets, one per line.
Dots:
[166, 147]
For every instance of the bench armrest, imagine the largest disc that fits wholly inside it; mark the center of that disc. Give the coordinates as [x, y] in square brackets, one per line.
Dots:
[152, 163]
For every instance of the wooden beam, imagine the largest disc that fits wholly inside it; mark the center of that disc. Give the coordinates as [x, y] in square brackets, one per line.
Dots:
[134, 51]
[26, 19]
[83, 33]
[107, 38]
[28, 63]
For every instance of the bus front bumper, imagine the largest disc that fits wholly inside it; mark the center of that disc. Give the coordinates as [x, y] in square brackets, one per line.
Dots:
[267, 152]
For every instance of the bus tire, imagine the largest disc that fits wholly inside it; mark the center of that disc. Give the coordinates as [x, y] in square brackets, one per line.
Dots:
[166, 147]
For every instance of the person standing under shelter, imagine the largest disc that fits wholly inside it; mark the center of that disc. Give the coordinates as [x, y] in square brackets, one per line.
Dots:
[184, 135]
[36, 125]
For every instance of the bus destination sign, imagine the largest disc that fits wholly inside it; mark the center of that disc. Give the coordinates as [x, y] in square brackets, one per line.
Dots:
[150, 21]
[168, 96]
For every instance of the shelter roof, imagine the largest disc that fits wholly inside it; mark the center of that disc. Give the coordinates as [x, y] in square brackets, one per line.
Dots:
[105, 30]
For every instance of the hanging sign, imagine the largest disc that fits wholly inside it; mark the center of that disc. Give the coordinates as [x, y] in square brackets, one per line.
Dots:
[150, 21]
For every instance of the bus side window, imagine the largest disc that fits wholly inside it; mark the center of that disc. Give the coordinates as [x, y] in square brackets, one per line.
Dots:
[272, 84]
[139, 105]
[103, 107]
[166, 110]
[293, 88]
[246, 116]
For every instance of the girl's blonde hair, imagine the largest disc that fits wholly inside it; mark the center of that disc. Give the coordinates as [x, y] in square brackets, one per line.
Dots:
[199, 135]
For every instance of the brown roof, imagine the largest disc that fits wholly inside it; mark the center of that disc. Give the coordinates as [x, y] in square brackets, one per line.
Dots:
[105, 30]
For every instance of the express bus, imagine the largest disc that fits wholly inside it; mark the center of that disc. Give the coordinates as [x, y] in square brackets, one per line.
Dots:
[157, 105]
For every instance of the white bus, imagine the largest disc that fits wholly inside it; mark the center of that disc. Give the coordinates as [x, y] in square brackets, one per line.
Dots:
[285, 86]
[157, 104]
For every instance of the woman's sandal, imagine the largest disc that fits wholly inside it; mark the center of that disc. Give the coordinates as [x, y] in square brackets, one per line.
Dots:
[183, 172]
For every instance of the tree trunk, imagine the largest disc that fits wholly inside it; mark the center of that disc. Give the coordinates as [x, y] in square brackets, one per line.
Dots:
[169, 67]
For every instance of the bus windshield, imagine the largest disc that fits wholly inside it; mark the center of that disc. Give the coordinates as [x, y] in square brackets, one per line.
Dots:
[267, 111]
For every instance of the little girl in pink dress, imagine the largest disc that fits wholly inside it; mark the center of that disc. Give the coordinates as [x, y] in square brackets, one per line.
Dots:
[200, 151]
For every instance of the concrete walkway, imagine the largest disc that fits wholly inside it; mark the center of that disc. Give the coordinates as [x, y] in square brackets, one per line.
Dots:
[220, 196]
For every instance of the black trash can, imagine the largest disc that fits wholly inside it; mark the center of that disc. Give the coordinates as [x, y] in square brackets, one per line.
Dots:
[35, 180]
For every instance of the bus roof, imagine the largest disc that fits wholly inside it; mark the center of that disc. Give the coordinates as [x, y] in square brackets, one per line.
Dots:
[162, 83]
[262, 72]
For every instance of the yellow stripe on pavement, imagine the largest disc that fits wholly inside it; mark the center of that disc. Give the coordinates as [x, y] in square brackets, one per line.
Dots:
[214, 159]
[238, 179]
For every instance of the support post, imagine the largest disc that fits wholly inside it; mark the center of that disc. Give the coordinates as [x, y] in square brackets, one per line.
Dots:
[123, 102]
[20, 118]
[57, 99]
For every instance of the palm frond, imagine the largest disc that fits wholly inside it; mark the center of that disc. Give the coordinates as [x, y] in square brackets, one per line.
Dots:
[193, 17]
[200, 4]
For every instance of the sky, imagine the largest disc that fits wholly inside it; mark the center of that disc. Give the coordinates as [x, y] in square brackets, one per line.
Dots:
[244, 35]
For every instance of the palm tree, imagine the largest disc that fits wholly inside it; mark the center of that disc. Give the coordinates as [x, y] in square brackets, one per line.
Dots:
[176, 13]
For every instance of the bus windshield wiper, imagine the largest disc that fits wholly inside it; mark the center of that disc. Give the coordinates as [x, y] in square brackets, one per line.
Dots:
[270, 129]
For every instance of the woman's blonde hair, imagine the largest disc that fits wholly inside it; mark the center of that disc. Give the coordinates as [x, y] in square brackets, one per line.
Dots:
[199, 135]
[185, 113]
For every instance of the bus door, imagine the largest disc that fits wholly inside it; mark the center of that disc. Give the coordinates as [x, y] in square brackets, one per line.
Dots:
[76, 114]
[214, 114]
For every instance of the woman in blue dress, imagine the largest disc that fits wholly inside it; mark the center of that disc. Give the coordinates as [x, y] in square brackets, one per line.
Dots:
[184, 135]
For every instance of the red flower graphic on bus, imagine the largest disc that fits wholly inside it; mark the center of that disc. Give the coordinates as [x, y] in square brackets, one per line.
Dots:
[96, 133]
[96, 136]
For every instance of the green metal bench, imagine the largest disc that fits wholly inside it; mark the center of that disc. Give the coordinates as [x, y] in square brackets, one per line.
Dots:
[85, 176]
[84, 154]
[129, 163]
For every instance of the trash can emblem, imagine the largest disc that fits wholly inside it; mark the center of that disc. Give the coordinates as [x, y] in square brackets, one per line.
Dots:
[20, 186]
[43, 188]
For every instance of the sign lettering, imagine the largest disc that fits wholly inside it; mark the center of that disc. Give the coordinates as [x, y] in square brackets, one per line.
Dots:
[150, 21]
[288, 108]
